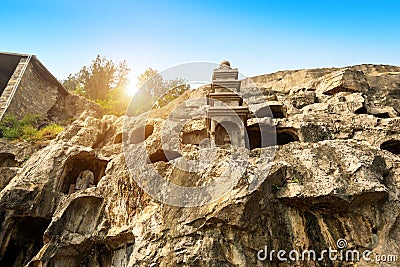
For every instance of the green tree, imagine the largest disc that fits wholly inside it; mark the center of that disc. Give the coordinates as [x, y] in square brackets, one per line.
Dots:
[152, 82]
[99, 80]
[156, 91]
[72, 82]
[174, 88]
[103, 82]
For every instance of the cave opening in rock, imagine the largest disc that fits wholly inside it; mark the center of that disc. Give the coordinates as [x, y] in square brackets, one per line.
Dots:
[277, 111]
[8, 160]
[392, 146]
[141, 134]
[194, 137]
[79, 164]
[285, 136]
[163, 155]
[221, 136]
[261, 135]
[383, 115]
[361, 110]
[24, 241]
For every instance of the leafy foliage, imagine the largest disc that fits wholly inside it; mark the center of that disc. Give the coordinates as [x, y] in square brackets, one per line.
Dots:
[115, 104]
[99, 79]
[104, 82]
[156, 91]
[295, 180]
[27, 129]
[177, 88]
[49, 132]
[11, 128]
[73, 84]
[142, 102]
[152, 82]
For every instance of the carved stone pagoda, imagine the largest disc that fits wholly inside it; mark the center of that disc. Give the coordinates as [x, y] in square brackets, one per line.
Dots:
[226, 115]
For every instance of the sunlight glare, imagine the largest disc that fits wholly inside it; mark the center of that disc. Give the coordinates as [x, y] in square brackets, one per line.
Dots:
[131, 90]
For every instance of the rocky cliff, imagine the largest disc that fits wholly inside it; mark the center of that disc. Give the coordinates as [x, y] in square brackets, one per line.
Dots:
[335, 175]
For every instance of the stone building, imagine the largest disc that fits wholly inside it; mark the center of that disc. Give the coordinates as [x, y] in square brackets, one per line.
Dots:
[27, 87]
[226, 116]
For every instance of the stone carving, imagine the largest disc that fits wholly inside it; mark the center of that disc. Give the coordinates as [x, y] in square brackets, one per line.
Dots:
[225, 64]
[226, 117]
[85, 180]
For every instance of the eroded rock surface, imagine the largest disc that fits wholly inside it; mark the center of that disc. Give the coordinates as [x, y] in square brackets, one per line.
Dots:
[335, 174]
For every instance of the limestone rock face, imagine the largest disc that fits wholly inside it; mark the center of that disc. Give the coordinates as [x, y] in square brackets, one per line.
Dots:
[335, 175]
[346, 80]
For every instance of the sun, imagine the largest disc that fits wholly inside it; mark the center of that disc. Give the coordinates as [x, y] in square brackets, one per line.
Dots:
[132, 86]
[131, 90]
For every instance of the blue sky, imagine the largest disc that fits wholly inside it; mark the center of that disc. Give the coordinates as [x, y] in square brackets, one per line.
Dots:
[257, 37]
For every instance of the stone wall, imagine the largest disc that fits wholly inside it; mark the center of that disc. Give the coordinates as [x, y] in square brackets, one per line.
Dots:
[35, 93]
[10, 76]
[38, 92]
